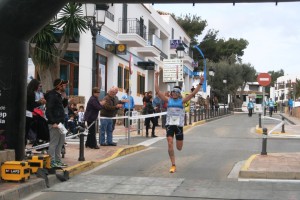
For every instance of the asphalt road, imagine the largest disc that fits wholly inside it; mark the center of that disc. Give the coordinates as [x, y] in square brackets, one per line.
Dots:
[210, 153]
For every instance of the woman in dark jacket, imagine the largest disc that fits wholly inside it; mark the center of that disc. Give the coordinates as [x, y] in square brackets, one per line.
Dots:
[90, 115]
[149, 109]
[32, 87]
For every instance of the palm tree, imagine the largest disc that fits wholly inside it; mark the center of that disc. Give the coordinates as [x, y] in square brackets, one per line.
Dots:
[48, 55]
[42, 50]
[72, 22]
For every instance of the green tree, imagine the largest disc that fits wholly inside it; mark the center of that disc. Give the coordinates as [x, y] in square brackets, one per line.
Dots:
[219, 49]
[46, 55]
[297, 88]
[193, 25]
[236, 75]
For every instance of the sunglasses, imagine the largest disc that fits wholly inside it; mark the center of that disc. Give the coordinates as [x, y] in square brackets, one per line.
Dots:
[176, 91]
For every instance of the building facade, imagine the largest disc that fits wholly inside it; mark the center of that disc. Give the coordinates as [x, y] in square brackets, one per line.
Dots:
[147, 36]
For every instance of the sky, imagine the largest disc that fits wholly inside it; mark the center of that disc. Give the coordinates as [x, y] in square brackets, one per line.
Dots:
[273, 32]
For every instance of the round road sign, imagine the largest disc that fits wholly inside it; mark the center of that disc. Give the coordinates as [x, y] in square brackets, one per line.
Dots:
[264, 79]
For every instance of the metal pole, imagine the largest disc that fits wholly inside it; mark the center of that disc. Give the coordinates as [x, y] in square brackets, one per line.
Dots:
[94, 59]
[190, 118]
[195, 113]
[282, 128]
[81, 148]
[185, 119]
[264, 142]
[139, 126]
[259, 120]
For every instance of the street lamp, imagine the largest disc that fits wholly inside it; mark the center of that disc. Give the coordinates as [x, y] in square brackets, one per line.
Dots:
[180, 54]
[95, 15]
[225, 82]
[180, 51]
[211, 73]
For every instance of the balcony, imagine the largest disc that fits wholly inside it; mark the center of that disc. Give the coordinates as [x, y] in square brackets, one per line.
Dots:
[148, 51]
[132, 33]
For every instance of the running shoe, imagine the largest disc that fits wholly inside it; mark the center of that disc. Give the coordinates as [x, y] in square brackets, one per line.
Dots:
[53, 164]
[61, 164]
[173, 169]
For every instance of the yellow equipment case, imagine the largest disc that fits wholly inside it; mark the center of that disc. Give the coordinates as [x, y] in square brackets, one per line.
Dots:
[40, 161]
[15, 171]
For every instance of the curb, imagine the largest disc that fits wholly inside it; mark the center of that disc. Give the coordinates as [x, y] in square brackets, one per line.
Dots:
[88, 165]
[247, 173]
[287, 119]
[39, 184]
[260, 131]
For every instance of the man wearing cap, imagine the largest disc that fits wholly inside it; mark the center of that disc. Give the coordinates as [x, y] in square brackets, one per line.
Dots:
[56, 115]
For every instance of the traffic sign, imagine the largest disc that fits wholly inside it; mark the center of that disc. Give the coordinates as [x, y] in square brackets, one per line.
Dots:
[173, 70]
[264, 79]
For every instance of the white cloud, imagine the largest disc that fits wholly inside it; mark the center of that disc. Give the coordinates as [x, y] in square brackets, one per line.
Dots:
[272, 31]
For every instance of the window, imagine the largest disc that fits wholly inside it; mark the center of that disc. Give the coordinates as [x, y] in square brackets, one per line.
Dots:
[120, 76]
[126, 78]
[140, 83]
[70, 72]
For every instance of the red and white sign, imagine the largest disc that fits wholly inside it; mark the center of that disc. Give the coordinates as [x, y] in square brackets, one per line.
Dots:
[264, 79]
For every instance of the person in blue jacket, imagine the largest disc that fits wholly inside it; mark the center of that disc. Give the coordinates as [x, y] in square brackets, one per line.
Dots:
[271, 104]
[250, 107]
[290, 104]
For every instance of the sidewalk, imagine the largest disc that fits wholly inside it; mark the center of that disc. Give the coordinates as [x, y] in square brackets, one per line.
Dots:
[275, 165]
[93, 158]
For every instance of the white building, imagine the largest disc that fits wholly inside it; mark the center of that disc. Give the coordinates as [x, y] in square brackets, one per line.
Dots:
[147, 35]
[284, 86]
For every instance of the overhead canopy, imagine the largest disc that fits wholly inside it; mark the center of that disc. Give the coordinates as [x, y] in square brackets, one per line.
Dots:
[184, 1]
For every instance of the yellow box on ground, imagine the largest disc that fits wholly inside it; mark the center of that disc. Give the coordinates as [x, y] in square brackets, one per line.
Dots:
[39, 161]
[15, 171]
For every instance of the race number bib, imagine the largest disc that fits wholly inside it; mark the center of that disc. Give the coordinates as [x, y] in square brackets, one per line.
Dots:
[174, 120]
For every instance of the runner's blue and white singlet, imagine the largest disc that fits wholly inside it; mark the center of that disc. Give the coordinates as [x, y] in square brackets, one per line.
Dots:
[175, 112]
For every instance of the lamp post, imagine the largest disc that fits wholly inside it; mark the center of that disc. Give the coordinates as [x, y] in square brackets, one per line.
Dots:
[211, 73]
[95, 15]
[180, 54]
[225, 83]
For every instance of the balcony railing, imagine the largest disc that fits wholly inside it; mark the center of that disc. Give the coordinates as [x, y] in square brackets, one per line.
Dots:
[132, 26]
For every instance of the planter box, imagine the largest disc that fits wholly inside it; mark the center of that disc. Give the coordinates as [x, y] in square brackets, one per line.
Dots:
[7, 155]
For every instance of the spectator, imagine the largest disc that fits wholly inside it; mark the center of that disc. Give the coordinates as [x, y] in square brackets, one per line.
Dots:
[39, 97]
[144, 98]
[32, 104]
[149, 109]
[90, 116]
[275, 106]
[250, 107]
[207, 102]
[81, 116]
[271, 106]
[128, 106]
[108, 111]
[192, 89]
[216, 103]
[72, 124]
[56, 115]
[117, 101]
[290, 104]
[157, 104]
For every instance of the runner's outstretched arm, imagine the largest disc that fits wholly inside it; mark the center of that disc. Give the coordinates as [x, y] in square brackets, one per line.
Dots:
[159, 93]
[191, 95]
